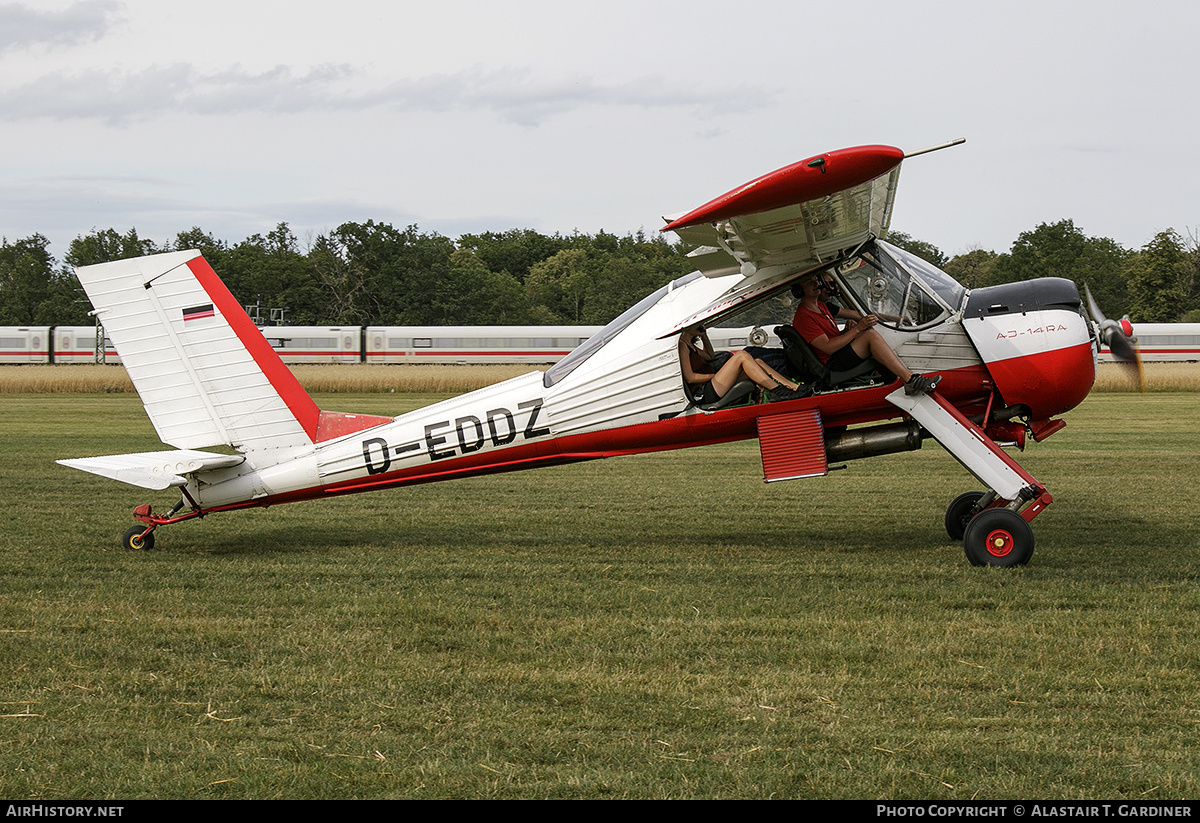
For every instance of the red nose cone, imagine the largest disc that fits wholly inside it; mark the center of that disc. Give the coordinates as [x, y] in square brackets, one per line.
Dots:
[1126, 327]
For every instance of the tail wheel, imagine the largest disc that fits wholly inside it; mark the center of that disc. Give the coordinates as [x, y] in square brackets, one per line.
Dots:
[998, 537]
[133, 540]
[958, 513]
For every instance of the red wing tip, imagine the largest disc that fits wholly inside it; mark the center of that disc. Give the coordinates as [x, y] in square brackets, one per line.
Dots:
[885, 157]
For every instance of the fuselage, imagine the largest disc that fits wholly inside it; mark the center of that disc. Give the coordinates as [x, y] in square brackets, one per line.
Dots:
[1022, 350]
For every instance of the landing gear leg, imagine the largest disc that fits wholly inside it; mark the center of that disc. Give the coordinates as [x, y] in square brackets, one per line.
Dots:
[141, 538]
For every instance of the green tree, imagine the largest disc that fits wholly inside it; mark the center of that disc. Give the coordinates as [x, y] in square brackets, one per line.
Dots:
[1062, 250]
[1103, 269]
[379, 274]
[559, 284]
[926, 251]
[33, 291]
[1190, 281]
[515, 251]
[1157, 275]
[107, 245]
[973, 268]
[214, 250]
[1049, 250]
[270, 274]
[471, 294]
[617, 284]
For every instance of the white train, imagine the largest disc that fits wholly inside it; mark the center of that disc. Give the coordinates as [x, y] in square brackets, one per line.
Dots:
[472, 344]
[1178, 342]
[1164, 342]
[53, 344]
[444, 344]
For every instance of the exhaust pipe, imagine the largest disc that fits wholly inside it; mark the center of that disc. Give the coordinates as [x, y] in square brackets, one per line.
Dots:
[872, 441]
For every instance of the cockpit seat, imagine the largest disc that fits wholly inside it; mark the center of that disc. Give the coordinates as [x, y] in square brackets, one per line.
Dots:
[806, 366]
[737, 392]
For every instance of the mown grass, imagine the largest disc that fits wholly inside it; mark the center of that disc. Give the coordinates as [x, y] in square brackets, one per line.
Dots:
[423, 379]
[359, 379]
[656, 626]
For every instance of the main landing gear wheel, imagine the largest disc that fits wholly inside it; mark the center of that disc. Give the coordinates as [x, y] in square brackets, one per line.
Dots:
[133, 540]
[998, 537]
[958, 513]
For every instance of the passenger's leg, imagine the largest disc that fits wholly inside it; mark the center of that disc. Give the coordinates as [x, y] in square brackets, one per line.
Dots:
[742, 363]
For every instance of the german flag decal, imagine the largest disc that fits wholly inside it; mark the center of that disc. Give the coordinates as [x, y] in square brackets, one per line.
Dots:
[197, 312]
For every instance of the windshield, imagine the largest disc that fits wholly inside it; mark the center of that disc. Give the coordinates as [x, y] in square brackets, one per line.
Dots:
[900, 288]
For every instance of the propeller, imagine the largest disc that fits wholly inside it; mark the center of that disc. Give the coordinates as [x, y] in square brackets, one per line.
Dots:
[1118, 336]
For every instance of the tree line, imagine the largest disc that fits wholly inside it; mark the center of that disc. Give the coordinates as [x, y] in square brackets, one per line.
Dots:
[376, 274]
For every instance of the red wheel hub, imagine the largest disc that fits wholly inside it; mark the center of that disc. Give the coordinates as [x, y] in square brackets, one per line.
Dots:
[999, 542]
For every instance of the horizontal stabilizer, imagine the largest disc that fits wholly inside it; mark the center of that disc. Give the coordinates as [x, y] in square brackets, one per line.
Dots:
[153, 470]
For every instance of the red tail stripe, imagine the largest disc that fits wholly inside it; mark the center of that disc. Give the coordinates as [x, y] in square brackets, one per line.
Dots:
[289, 388]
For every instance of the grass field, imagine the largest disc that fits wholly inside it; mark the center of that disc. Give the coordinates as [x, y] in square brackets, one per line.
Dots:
[422, 379]
[659, 626]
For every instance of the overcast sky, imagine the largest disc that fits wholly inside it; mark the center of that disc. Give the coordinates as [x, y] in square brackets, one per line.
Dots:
[471, 116]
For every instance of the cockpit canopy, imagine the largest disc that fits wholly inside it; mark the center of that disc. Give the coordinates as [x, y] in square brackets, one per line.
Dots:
[900, 288]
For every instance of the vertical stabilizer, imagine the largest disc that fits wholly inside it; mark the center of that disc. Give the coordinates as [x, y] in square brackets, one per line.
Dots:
[204, 371]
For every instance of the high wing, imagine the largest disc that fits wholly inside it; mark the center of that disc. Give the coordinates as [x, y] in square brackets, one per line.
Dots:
[789, 222]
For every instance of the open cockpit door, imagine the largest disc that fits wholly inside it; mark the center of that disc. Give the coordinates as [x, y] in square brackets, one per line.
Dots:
[784, 224]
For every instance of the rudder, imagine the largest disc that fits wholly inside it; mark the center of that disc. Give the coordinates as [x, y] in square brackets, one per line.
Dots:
[205, 373]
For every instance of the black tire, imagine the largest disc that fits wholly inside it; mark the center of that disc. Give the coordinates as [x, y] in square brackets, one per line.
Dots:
[958, 513]
[998, 537]
[133, 541]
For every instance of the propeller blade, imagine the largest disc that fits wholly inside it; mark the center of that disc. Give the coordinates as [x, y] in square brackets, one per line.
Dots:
[1118, 336]
[1094, 307]
[1123, 348]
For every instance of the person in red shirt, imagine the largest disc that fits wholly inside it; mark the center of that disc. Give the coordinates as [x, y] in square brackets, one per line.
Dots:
[843, 350]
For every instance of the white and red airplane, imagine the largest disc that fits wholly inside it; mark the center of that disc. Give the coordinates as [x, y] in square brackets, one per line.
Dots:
[1012, 359]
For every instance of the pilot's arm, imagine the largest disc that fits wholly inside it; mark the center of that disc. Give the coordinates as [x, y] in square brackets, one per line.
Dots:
[830, 345]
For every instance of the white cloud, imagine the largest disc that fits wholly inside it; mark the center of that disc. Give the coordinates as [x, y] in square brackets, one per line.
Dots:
[516, 95]
[22, 27]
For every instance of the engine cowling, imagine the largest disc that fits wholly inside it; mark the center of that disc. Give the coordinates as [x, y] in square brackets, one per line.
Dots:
[1035, 342]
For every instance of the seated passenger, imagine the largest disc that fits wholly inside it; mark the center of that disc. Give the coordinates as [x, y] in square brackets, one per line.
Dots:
[843, 350]
[704, 370]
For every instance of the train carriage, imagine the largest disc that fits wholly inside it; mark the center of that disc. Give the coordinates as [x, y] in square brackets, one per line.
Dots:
[472, 344]
[315, 344]
[25, 344]
[1164, 342]
[77, 344]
